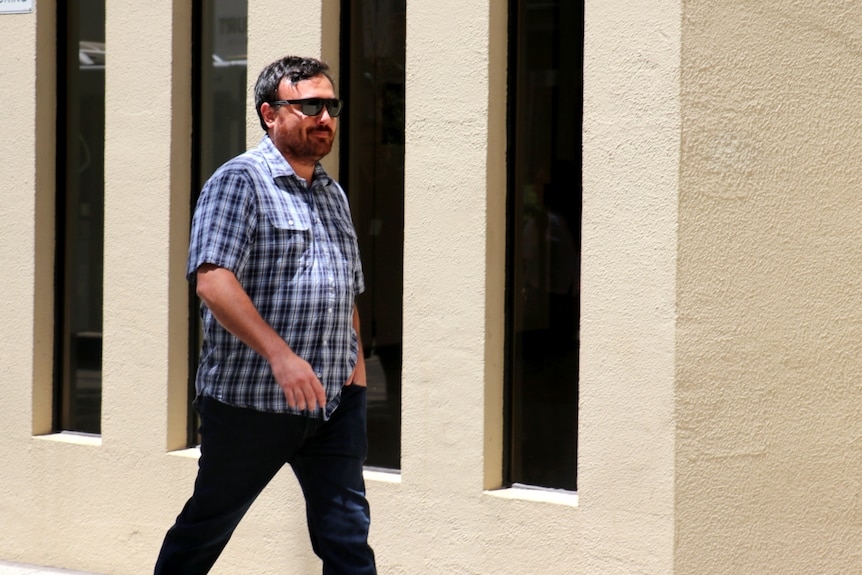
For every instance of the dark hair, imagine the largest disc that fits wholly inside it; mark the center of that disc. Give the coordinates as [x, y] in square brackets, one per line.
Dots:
[294, 69]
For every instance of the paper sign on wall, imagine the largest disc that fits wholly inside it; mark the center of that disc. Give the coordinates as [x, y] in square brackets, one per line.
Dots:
[16, 6]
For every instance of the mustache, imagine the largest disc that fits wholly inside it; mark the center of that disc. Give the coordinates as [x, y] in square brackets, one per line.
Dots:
[326, 129]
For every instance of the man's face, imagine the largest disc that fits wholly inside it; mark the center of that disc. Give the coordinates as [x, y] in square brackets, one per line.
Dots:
[297, 136]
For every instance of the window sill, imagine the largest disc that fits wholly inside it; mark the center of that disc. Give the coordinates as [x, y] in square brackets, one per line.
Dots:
[538, 494]
[381, 475]
[188, 453]
[73, 438]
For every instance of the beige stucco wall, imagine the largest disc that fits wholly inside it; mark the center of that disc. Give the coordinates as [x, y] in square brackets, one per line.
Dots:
[719, 300]
[721, 314]
[770, 298]
[630, 175]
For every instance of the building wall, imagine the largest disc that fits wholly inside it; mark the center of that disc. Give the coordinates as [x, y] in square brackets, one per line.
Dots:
[631, 138]
[720, 316]
[769, 299]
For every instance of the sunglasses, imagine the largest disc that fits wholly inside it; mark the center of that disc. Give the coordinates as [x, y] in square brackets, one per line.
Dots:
[313, 106]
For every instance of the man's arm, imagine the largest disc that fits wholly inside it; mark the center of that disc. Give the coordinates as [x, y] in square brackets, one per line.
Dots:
[358, 375]
[234, 310]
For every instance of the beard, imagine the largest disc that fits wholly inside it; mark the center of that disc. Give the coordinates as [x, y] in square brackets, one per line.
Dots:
[311, 144]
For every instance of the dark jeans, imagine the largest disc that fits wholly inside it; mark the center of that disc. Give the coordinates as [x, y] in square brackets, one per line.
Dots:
[243, 449]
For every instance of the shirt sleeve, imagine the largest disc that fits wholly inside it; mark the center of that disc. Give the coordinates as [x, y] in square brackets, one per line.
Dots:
[224, 223]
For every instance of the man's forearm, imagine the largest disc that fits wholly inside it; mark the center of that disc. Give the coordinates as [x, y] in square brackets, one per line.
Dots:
[234, 310]
[229, 303]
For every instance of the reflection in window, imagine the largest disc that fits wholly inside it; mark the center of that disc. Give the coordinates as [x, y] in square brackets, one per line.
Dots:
[221, 70]
[546, 46]
[218, 125]
[372, 172]
[80, 214]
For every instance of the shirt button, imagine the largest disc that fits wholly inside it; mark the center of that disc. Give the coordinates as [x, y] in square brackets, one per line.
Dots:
[319, 375]
[329, 310]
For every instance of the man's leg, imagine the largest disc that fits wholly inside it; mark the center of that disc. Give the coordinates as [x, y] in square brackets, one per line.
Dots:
[239, 456]
[329, 469]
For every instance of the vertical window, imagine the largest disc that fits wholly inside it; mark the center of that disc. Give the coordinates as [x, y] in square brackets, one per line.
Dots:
[80, 214]
[372, 173]
[546, 97]
[220, 41]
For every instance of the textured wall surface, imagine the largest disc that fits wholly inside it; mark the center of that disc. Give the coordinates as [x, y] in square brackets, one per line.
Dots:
[104, 503]
[630, 175]
[770, 296]
[722, 315]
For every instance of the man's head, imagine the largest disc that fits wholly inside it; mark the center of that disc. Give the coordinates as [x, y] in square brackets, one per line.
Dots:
[297, 107]
[291, 69]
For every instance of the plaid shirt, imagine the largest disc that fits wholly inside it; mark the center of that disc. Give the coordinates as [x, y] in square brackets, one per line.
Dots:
[293, 249]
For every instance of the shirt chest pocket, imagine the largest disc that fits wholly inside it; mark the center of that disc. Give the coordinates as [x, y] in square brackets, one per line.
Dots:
[347, 243]
[285, 235]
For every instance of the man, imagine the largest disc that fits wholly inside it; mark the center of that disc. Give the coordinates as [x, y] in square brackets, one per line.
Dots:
[281, 376]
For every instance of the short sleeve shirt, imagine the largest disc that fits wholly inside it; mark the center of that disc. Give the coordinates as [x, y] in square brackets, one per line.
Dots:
[294, 250]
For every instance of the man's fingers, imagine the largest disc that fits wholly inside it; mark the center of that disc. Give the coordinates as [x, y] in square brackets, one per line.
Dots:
[302, 389]
[315, 395]
[307, 395]
[309, 399]
[296, 397]
[321, 394]
[290, 397]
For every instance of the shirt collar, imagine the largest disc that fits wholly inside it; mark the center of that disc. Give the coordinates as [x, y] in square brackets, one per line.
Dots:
[278, 166]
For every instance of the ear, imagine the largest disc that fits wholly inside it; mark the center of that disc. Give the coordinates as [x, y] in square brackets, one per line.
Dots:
[268, 113]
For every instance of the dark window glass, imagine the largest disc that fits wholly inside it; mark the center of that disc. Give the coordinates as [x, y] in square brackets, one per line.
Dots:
[80, 214]
[546, 55]
[221, 70]
[372, 173]
[220, 40]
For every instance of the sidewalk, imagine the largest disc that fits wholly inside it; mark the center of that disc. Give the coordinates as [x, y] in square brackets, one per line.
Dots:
[7, 568]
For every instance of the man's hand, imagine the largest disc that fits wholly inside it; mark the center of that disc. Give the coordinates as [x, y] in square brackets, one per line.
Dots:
[297, 379]
[358, 376]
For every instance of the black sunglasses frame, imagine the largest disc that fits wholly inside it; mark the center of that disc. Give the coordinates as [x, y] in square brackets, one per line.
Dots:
[314, 106]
